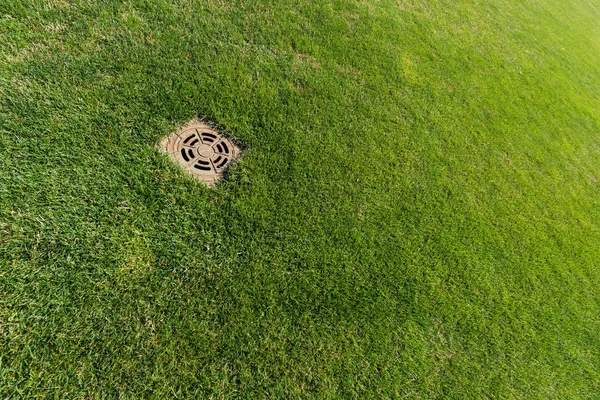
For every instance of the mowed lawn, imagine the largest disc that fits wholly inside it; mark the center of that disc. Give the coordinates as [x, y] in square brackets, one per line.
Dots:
[416, 214]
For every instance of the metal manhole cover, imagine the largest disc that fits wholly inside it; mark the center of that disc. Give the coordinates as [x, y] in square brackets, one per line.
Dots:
[201, 151]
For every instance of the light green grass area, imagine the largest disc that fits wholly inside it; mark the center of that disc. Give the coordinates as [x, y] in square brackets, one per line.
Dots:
[417, 214]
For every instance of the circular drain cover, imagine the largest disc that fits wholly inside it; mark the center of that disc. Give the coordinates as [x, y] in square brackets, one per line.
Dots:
[201, 151]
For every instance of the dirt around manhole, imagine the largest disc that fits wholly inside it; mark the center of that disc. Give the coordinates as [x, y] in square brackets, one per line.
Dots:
[201, 151]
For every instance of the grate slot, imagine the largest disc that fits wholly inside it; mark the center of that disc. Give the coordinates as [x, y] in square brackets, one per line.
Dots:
[184, 155]
[222, 163]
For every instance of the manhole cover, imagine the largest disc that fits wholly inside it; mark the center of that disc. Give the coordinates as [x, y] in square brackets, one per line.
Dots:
[201, 150]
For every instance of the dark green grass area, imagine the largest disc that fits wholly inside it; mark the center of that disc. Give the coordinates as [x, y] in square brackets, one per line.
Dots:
[417, 214]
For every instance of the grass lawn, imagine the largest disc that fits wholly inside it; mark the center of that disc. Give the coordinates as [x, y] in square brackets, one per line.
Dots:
[417, 214]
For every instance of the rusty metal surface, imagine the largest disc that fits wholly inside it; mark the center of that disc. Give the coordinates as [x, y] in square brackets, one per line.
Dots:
[201, 151]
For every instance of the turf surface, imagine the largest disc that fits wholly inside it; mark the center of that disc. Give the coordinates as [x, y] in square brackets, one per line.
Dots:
[416, 215]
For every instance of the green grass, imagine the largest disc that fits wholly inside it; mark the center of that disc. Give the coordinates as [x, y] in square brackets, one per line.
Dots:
[417, 214]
